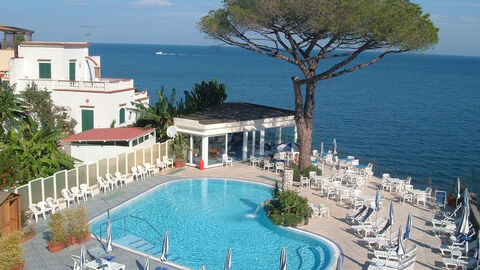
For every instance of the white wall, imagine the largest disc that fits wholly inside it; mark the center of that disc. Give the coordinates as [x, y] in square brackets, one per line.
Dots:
[91, 153]
[29, 56]
[106, 106]
[105, 101]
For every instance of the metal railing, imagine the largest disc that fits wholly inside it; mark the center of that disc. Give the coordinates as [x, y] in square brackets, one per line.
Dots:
[156, 240]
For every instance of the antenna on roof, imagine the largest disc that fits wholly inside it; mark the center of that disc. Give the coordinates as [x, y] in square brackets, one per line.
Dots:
[87, 30]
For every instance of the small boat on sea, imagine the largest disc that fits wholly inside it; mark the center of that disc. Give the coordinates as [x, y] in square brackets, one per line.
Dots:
[159, 52]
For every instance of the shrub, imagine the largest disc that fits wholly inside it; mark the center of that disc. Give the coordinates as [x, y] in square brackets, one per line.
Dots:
[288, 209]
[297, 172]
[57, 227]
[77, 222]
[11, 250]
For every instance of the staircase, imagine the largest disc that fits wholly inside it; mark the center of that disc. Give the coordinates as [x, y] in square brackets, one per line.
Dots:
[140, 244]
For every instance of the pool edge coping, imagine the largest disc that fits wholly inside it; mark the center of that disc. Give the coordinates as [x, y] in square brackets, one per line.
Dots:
[337, 249]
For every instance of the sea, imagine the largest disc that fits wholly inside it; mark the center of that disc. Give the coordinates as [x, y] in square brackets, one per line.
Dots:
[412, 115]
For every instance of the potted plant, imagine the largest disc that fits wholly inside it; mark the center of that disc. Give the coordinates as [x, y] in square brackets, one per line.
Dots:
[29, 231]
[58, 232]
[179, 149]
[11, 251]
[78, 225]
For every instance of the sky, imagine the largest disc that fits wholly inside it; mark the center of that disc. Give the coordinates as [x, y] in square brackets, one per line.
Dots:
[174, 21]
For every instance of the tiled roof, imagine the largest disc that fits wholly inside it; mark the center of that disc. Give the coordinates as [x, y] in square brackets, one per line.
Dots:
[236, 111]
[109, 134]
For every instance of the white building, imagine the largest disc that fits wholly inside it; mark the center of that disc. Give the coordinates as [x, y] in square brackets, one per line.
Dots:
[73, 77]
[99, 143]
[238, 129]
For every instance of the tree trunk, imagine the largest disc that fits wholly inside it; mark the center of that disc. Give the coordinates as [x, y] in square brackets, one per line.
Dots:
[304, 118]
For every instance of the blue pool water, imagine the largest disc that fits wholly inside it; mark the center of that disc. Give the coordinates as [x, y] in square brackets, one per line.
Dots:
[207, 216]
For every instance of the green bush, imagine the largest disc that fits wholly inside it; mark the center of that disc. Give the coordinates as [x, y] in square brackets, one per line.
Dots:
[288, 209]
[297, 172]
[11, 250]
[77, 222]
[57, 227]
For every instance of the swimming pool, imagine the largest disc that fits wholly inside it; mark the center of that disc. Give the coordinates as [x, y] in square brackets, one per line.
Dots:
[204, 218]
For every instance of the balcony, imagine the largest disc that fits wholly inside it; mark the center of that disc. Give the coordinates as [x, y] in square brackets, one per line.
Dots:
[102, 85]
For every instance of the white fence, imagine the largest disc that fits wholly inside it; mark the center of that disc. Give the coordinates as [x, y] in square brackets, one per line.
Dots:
[39, 189]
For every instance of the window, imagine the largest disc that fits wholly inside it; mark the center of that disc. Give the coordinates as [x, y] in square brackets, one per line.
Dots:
[45, 70]
[146, 137]
[87, 119]
[71, 69]
[122, 116]
[134, 142]
[140, 140]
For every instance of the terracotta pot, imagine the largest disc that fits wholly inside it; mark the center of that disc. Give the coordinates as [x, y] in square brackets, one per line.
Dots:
[55, 247]
[75, 241]
[28, 236]
[18, 266]
[178, 163]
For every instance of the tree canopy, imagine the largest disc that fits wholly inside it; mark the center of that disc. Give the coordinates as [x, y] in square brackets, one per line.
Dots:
[29, 152]
[306, 32]
[303, 32]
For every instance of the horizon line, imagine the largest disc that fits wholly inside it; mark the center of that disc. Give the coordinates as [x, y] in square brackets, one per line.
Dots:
[230, 46]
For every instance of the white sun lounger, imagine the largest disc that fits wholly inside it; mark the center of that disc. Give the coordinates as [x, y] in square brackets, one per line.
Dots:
[392, 255]
[394, 264]
[357, 216]
[380, 241]
[365, 227]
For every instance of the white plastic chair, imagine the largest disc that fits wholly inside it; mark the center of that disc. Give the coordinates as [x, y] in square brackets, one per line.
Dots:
[52, 203]
[167, 161]
[44, 208]
[279, 167]
[86, 190]
[304, 181]
[142, 172]
[226, 160]
[135, 174]
[267, 165]
[323, 210]
[149, 169]
[254, 161]
[35, 211]
[161, 165]
[111, 180]
[121, 178]
[67, 196]
[77, 194]
[103, 184]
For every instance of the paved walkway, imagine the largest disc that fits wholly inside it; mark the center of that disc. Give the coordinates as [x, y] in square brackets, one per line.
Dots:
[37, 255]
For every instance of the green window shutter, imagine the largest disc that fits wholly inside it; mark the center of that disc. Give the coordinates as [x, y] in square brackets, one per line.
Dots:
[71, 71]
[122, 116]
[45, 70]
[87, 119]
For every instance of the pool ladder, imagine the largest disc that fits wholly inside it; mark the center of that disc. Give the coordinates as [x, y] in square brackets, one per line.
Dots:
[124, 218]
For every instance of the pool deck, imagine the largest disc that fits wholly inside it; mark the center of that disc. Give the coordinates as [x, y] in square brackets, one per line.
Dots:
[335, 228]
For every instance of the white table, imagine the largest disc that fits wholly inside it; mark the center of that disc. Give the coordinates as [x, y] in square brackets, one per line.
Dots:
[418, 193]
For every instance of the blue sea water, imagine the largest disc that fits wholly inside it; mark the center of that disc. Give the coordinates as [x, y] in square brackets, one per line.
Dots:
[411, 114]
[206, 217]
